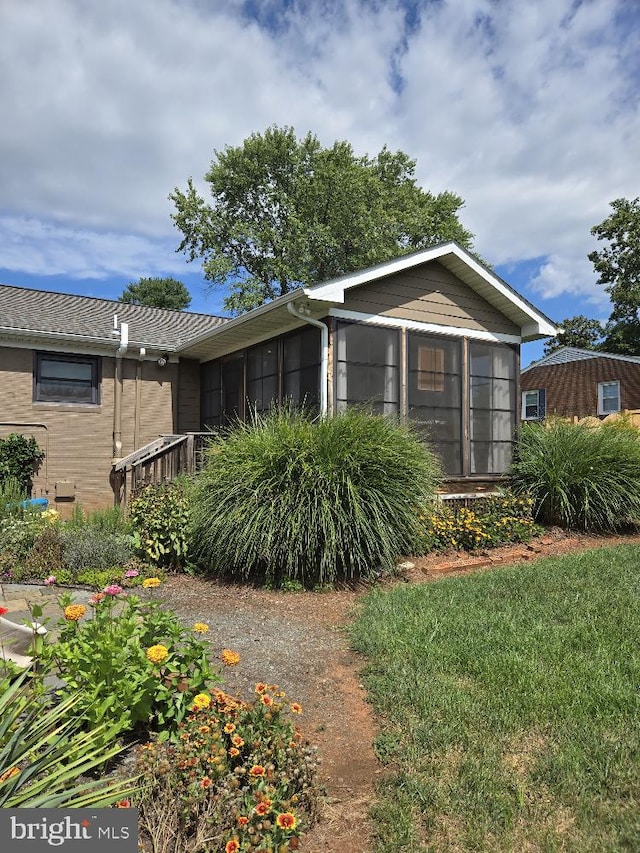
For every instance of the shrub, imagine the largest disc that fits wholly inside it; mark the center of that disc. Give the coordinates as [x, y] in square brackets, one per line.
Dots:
[234, 769]
[160, 516]
[284, 497]
[19, 531]
[46, 556]
[579, 475]
[90, 547]
[133, 662]
[493, 521]
[20, 457]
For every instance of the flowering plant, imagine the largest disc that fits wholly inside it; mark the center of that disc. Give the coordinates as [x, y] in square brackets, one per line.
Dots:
[132, 662]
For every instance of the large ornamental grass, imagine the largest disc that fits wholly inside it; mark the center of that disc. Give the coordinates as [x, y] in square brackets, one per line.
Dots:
[583, 476]
[288, 498]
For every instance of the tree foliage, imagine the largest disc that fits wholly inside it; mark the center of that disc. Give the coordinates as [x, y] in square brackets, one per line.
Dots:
[618, 267]
[20, 459]
[578, 331]
[286, 211]
[157, 293]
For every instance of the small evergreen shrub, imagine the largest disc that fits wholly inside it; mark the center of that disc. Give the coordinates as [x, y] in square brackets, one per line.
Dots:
[160, 517]
[91, 548]
[580, 476]
[286, 498]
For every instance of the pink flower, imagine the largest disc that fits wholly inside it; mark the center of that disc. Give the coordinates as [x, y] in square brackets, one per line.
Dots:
[112, 589]
[131, 573]
[50, 580]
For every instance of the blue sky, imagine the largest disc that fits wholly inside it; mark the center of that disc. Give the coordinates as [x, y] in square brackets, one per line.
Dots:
[529, 111]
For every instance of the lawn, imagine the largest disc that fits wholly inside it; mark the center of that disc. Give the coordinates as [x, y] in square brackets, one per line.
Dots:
[510, 707]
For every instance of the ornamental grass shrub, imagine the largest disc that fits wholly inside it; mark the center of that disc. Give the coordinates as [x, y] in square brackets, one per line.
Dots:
[286, 498]
[580, 476]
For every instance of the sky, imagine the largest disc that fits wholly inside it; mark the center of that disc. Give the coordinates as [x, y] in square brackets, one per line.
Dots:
[528, 110]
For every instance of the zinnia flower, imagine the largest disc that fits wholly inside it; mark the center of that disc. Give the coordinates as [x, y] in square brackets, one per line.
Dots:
[286, 820]
[150, 583]
[156, 654]
[257, 770]
[73, 612]
[131, 573]
[96, 597]
[201, 701]
[113, 589]
[229, 657]
[201, 627]
[231, 846]
[50, 580]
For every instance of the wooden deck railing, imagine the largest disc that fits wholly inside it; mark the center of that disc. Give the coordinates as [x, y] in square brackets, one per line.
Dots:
[160, 461]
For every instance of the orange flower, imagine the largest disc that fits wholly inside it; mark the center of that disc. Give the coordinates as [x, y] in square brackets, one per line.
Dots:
[257, 770]
[229, 657]
[230, 727]
[286, 820]
[73, 612]
[204, 729]
[266, 700]
[261, 687]
[231, 846]
[233, 752]
[123, 804]
[206, 782]
[236, 740]
[296, 708]
[262, 809]
[241, 820]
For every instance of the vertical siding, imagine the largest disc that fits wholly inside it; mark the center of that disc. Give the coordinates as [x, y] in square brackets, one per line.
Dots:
[429, 293]
[188, 395]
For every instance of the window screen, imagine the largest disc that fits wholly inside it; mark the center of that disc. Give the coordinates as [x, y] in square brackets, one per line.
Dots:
[492, 388]
[367, 367]
[210, 393]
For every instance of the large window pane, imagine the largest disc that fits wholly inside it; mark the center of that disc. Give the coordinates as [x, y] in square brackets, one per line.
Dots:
[367, 372]
[262, 376]
[232, 380]
[301, 368]
[72, 379]
[492, 387]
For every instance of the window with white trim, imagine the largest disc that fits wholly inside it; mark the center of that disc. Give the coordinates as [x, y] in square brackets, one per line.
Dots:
[608, 397]
[533, 405]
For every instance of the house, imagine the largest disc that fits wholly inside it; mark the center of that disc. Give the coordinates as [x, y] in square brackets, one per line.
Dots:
[433, 337]
[574, 382]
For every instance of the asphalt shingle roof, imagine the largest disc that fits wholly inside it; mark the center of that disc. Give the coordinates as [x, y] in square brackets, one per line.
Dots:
[40, 311]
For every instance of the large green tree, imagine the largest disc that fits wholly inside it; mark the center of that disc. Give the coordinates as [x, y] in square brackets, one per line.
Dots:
[286, 211]
[618, 266]
[157, 293]
[578, 331]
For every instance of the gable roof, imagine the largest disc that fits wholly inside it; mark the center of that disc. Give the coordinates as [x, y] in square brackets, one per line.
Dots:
[43, 317]
[274, 317]
[564, 355]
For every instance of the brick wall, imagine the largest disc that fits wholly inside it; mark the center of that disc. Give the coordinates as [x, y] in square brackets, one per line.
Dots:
[572, 388]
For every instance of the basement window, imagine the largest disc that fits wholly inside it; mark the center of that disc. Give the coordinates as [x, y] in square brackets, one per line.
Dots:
[66, 379]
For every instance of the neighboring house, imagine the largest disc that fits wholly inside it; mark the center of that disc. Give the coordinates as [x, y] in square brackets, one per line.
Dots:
[574, 382]
[433, 336]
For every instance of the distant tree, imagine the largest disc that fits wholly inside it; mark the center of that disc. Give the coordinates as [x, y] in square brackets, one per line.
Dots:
[577, 331]
[618, 266]
[288, 211]
[157, 293]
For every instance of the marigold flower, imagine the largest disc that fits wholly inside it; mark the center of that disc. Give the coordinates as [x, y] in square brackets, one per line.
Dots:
[113, 589]
[262, 808]
[232, 846]
[229, 657]
[156, 654]
[201, 627]
[206, 782]
[201, 701]
[296, 707]
[73, 612]
[286, 820]
[257, 770]
[150, 583]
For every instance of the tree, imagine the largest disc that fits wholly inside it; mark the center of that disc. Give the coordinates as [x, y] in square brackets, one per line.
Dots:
[286, 212]
[577, 331]
[618, 265]
[157, 293]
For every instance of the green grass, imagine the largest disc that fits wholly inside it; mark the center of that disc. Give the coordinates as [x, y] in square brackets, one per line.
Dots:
[510, 703]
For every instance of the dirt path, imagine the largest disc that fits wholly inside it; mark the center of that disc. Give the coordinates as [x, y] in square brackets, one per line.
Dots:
[299, 641]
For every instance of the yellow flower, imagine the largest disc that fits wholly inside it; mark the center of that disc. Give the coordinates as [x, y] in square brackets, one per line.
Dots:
[156, 654]
[149, 583]
[201, 701]
[201, 627]
[73, 612]
[229, 657]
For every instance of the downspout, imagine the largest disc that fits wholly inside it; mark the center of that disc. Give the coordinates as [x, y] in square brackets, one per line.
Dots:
[324, 352]
[136, 423]
[117, 392]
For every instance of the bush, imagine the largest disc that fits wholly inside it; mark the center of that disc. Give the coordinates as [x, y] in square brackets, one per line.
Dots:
[20, 457]
[579, 475]
[133, 662]
[493, 521]
[160, 516]
[285, 498]
[110, 520]
[238, 772]
[92, 548]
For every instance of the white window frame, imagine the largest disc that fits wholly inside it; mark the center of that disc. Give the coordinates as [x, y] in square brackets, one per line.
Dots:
[601, 397]
[535, 417]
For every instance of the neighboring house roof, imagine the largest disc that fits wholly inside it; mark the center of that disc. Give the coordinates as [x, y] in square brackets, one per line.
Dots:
[40, 316]
[564, 355]
[274, 317]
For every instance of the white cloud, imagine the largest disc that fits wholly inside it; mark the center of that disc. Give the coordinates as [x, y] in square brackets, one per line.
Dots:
[530, 111]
